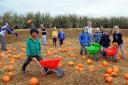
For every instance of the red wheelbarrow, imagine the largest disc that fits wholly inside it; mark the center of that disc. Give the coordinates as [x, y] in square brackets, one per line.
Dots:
[51, 65]
[111, 52]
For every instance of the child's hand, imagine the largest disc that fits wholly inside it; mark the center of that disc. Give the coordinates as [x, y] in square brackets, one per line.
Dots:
[34, 59]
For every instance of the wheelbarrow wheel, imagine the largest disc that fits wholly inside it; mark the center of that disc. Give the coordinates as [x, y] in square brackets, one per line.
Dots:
[59, 72]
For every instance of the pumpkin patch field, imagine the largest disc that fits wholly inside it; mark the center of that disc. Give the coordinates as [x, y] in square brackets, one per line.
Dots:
[78, 70]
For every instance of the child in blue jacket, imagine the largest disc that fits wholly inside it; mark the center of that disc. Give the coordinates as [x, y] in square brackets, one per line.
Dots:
[97, 36]
[84, 40]
[61, 36]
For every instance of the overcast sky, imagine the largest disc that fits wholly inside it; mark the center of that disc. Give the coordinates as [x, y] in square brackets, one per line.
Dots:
[91, 8]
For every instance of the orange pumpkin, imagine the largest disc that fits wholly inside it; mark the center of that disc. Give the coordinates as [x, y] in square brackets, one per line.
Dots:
[116, 69]
[80, 65]
[23, 49]
[60, 65]
[104, 63]
[14, 49]
[10, 74]
[70, 63]
[126, 76]
[9, 55]
[101, 66]
[9, 52]
[109, 70]
[48, 53]
[10, 68]
[29, 21]
[109, 79]
[80, 69]
[83, 57]
[34, 81]
[89, 61]
[91, 68]
[6, 79]
[106, 75]
[114, 74]
[12, 61]
[77, 67]
[72, 55]
[114, 44]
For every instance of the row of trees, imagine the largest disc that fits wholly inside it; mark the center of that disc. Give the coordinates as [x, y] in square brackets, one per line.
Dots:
[60, 21]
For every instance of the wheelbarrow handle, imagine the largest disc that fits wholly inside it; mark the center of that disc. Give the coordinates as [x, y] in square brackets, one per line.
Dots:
[38, 64]
[36, 61]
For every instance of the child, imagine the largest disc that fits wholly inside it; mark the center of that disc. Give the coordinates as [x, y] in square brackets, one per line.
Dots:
[117, 38]
[44, 40]
[105, 42]
[54, 36]
[33, 48]
[97, 36]
[61, 36]
[84, 40]
[3, 31]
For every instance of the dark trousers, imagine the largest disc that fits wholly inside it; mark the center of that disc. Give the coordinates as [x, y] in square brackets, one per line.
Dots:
[54, 41]
[28, 60]
[61, 41]
[82, 48]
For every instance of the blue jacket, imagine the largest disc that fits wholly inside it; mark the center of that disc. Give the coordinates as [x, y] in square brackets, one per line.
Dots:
[97, 37]
[85, 38]
[9, 30]
[61, 36]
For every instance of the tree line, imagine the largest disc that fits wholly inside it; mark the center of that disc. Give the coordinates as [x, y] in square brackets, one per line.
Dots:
[60, 21]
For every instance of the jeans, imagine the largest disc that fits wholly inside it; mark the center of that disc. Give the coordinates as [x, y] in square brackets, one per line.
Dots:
[122, 51]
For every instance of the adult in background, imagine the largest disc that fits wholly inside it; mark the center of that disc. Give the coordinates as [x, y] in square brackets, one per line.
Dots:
[88, 27]
[3, 31]
[44, 38]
